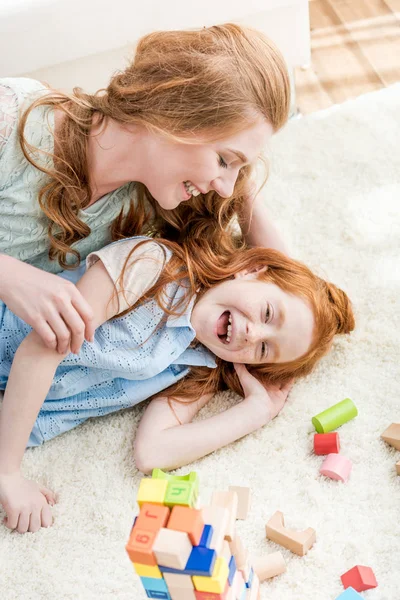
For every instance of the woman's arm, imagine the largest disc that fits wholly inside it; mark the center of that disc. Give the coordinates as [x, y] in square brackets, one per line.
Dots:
[162, 443]
[259, 229]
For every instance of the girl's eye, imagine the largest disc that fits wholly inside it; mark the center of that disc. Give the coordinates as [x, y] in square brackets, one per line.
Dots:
[264, 352]
[222, 163]
[267, 314]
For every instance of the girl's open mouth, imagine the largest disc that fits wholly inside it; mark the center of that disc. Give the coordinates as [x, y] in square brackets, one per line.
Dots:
[225, 327]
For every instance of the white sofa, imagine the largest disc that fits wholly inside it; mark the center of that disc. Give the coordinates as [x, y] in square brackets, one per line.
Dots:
[81, 42]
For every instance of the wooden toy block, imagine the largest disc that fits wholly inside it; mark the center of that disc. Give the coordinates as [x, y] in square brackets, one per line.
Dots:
[177, 581]
[206, 536]
[147, 571]
[350, 594]
[140, 547]
[211, 596]
[201, 561]
[326, 443]
[245, 569]
[155, 588]
[152, 491]
[226, 551]
[360, 578]
[191, 477]
[398, 468]
[232, 570]
[152, 517]
[188, 520]
[228, 500]
[238, 551]
[254, 590]
[391, 435]
[269, 566]
[244, 500]
[180, 492]
[218, 580]
[335, 416]
[217, 516]
[336, 466]
[239, 585]
[298, 542]
[180, 594]
[172, 548]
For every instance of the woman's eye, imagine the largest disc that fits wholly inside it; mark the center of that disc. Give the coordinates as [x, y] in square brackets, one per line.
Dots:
[222, 162]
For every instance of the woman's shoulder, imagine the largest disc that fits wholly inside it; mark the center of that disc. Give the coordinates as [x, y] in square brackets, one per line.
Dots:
[16, 93]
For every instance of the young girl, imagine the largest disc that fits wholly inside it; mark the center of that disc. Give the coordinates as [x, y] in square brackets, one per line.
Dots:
[151, 301]
[168, 149]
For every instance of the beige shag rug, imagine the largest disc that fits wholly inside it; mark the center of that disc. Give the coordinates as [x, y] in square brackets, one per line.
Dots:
[335, 193]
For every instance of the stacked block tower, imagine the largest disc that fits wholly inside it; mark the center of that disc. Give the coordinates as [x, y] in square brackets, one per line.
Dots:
[181, 552]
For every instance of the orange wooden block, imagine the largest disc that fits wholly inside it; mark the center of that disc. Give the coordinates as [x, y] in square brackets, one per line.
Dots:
[188, 520]
[391, 435]
[244, 498]
[140, 546]
[298, 542]
[228, 500]
[152, 517]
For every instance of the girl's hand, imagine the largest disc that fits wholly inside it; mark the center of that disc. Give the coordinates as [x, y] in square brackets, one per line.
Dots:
[25, 502]
[51, 305]
[268, 399]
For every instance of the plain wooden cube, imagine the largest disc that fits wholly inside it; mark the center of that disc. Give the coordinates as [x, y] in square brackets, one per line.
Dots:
[217, 516]
[228, 500]
[172, 548]
[244, 498]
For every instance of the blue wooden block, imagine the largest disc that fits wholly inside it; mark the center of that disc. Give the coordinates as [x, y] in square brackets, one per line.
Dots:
[206, 536]
[232, 569]
[249, 582]
[155, 594]
[201, 562]
[244, 594]
[155, 588]
[349, 594]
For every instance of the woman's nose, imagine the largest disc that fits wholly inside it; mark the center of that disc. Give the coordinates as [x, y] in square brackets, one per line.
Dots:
[224, 186]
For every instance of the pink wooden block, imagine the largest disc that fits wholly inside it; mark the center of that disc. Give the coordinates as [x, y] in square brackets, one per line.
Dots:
[336, 466]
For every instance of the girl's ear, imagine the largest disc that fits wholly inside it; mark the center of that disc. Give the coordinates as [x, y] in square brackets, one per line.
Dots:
[250, 273]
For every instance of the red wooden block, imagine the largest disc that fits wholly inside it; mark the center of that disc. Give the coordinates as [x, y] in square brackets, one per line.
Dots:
[326, 443]
[360, 578]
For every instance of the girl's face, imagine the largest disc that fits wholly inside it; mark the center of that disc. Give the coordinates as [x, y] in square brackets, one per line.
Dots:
[173, 171]
[247, 320]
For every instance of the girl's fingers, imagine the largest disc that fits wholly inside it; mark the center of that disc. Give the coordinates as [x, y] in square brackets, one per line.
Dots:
[23, 522]
[61, 331]
[35, 521]
[249, 383]
[48, 494]
[46, 516]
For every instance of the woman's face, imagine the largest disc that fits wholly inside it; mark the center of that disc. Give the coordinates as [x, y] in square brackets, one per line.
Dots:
[247, 320]
[174, 171]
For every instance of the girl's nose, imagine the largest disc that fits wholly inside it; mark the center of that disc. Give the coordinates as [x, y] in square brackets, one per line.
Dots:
[255, 333]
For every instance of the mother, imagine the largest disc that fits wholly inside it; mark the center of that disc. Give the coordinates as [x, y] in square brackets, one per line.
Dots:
[168, 148]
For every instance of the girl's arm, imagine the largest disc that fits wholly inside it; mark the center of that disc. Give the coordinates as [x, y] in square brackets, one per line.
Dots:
[30, 378]
[259, 229]
[162, 443]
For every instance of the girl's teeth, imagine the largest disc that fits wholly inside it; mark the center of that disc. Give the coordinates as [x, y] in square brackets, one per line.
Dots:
[230, 318]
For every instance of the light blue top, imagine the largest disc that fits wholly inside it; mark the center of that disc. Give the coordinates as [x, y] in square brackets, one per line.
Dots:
[23, 226]
[127, 362]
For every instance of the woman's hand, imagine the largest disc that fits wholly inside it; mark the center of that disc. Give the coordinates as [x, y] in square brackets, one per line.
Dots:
[27, 504]
[268, 399]
[51, 305]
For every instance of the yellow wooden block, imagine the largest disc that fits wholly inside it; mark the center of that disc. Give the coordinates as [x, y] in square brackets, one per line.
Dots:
[152, 490]
[148, 571]
[217, 582]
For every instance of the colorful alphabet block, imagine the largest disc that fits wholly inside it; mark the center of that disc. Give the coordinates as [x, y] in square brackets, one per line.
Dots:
[184, 553]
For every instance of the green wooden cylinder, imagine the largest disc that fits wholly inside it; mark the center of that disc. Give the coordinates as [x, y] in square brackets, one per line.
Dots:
[335, 416]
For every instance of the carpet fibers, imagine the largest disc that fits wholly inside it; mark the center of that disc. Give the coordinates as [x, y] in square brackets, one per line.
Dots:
[334, 191]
